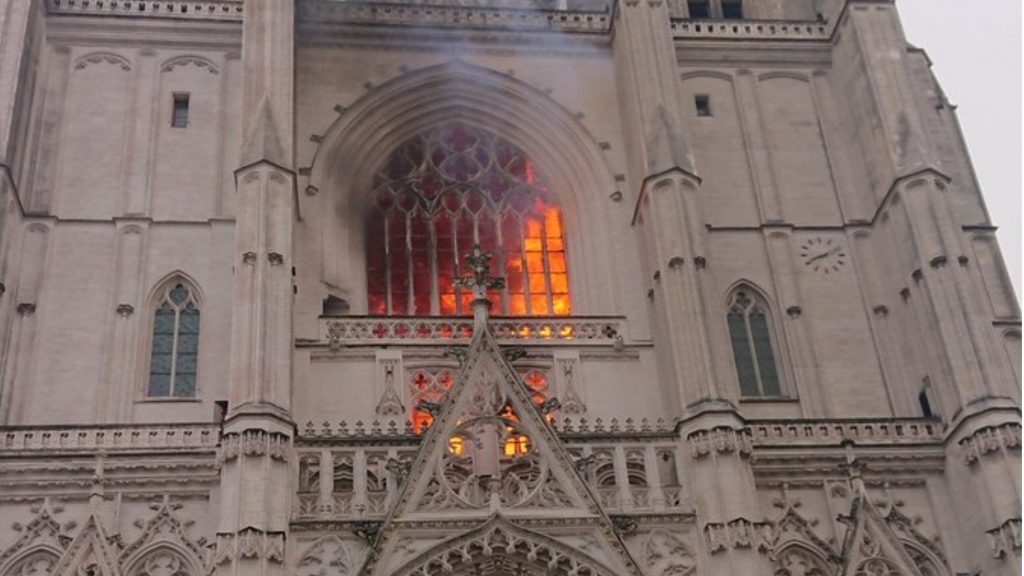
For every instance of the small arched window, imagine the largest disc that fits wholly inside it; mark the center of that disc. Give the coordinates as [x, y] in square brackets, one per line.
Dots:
[752, 348]
[441, 193]
[175, 346]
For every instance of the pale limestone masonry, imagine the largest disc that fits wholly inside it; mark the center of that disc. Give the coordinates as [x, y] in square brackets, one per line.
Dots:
[800, 164]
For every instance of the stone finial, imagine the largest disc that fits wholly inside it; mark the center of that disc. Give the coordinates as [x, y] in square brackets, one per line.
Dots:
[479, 280]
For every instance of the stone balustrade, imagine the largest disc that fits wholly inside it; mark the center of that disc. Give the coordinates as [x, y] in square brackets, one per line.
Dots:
[109, 438]
[773, 433]
[230, 10]
[366, 330]
[687, 29]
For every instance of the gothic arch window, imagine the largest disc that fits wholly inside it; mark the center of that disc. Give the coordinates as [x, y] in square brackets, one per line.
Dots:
[753, 351]
[440, 193]
[174, 348]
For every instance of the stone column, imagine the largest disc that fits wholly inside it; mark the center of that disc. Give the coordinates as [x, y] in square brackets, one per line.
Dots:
[928, 254]
[256, 490]
[667, 212]
[725, 496]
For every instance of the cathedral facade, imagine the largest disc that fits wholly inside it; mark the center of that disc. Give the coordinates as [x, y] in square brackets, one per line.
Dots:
[507, 288]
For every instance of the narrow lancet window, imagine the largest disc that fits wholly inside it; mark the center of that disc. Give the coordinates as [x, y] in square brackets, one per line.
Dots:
[752, 348]
[437, 196]
[175, 345]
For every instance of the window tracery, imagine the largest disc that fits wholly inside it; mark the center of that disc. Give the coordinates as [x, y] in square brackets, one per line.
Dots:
[162, 562]
[38, 563]
[444, 191]
[752, 347]
[430, 387]
[174, 349]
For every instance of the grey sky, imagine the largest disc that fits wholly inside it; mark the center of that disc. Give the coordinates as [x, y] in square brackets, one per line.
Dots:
[975, 47]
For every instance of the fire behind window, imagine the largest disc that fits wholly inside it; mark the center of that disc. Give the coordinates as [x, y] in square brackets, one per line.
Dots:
[438, 195]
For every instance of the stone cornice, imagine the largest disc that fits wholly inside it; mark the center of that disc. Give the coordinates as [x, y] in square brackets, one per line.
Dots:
[324, 14]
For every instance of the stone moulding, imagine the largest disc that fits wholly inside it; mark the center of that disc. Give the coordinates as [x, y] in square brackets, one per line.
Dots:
[991, 440]
[109, 438]
[176, 9]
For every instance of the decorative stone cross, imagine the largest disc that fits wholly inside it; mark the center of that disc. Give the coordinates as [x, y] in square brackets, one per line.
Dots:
[479, 280]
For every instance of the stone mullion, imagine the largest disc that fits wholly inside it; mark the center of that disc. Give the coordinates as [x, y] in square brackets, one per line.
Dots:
[325, 494]
[655, 495]
[359, 503]
[622, 478]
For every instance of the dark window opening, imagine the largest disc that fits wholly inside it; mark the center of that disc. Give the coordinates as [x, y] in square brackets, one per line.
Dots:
[732, 9]
[926, 405]
[699, 8]
[179, 117]
[703, 104]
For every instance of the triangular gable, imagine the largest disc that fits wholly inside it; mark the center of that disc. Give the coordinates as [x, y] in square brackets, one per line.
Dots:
[162, 529]
[871, 546]
[468, 469]
[90, 552]
[44, 532]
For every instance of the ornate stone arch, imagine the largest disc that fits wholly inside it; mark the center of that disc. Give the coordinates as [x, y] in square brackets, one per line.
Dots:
[163, 558]
[37, 560]
[365, 134]
[499, 543]
[796, 558]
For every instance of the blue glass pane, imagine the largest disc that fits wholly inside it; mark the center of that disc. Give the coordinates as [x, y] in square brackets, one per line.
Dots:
[188, 343]
[179, 294]
[159, 384]
[160, 364]
[741, 355]
[163, 320]
[186, 364]
[185, 385]
[188, 323]
[765, 356]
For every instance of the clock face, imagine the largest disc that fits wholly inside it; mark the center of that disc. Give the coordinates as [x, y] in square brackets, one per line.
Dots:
[822, 255]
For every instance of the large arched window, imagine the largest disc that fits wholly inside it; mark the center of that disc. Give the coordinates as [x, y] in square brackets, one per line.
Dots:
[174, 350]
[444, 191]
[752, 349]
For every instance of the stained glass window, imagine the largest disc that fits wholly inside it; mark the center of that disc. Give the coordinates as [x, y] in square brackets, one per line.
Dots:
[750, 334]
[438, 195]
[175, 347]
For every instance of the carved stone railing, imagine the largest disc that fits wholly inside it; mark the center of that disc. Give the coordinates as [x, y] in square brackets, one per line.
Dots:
[772, 433]
[230, 10]
[362, 330]
[567, 427]
[109, 438]
[489, 17]
[684, 28]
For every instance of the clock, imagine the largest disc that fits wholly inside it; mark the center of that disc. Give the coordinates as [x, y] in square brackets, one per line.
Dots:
[822, 255]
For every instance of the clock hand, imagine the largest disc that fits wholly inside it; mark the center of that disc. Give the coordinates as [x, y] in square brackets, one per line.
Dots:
[823, 255]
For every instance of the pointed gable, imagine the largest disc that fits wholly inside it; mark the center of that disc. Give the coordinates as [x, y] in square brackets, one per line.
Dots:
[491, 453]
[871, 546]
[90, 553]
